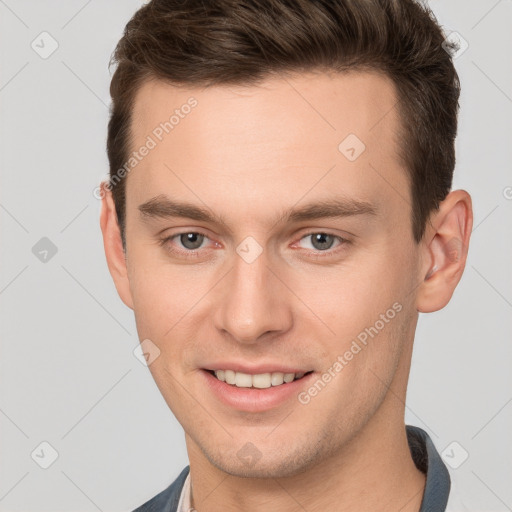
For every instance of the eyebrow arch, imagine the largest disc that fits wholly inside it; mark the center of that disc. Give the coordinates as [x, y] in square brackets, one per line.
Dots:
[163, 207]
[331, 208]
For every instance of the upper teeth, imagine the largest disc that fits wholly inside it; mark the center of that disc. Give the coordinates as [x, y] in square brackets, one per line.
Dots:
[261, 380]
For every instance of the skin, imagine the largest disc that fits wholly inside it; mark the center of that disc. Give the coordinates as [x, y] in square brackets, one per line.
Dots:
[249, 154]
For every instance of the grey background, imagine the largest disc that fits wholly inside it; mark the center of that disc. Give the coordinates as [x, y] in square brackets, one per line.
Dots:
[68, 375]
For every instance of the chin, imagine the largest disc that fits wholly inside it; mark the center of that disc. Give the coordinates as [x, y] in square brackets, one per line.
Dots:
[259, 466]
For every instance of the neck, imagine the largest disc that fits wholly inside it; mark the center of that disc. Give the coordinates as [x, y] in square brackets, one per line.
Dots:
[374, 471]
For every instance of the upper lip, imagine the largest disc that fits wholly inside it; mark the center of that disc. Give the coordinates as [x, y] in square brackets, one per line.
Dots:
[256, 369]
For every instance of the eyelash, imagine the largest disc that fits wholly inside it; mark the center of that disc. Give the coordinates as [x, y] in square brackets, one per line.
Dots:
[342, 243]
[164, 242]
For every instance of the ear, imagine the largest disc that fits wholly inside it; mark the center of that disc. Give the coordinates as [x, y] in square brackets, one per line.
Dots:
[114, 252]
[445, 249]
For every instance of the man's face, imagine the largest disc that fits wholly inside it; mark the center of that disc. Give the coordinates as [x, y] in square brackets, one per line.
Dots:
[269, 282]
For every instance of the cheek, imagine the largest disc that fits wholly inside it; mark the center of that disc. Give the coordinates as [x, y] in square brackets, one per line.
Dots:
[157, 296]
[352, 296]
[152, 303]
[364, 365]
[172, 305]
[363, 310]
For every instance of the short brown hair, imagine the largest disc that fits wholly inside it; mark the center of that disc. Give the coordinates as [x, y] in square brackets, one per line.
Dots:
[196, 43]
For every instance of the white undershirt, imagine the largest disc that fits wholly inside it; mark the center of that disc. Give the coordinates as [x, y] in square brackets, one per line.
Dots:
[184, 504]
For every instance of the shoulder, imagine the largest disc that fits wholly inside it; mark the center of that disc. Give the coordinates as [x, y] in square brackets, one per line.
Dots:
[168, 499]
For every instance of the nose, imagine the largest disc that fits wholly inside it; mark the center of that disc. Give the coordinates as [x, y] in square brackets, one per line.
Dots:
[253, 303]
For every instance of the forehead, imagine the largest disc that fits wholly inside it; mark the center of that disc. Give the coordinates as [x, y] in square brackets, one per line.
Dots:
[275, 141]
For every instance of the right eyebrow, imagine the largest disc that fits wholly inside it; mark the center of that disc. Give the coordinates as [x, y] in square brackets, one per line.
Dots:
[162, 207]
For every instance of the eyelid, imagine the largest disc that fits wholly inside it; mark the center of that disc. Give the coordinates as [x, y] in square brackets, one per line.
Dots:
[328, 252]
[169, 238]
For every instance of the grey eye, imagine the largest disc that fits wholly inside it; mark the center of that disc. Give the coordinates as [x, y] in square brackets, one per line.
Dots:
[191, 240]
[322, 241]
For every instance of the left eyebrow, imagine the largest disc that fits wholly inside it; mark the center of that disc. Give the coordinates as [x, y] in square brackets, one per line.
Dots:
[331, 208]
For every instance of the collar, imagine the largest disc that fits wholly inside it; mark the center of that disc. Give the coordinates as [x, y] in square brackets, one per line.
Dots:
[428, 460]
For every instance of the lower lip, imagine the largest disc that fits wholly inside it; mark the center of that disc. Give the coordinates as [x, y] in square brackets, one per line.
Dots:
[255, 399]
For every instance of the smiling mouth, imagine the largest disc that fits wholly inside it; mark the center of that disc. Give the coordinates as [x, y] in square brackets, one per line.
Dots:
[258, 381]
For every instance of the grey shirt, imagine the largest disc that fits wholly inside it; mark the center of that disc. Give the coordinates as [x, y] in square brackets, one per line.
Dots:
[424, 454]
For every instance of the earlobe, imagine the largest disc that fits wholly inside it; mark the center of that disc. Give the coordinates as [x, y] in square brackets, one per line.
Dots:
[113, 246]
[446, 247]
